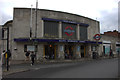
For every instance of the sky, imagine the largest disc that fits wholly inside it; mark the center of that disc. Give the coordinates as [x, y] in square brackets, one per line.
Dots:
[105, 11]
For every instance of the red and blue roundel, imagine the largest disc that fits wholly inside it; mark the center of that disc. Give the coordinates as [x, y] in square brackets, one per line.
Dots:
[97, 37]
[69, 31]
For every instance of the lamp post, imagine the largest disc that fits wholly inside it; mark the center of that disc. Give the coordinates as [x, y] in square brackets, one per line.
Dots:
[31, 23]
[6, 54]
[35, 42]
[7, 48]
[36, 19]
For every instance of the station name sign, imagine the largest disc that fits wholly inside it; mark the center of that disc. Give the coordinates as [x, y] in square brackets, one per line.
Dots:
[54, 40]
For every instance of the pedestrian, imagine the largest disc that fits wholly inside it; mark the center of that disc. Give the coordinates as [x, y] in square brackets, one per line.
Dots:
[8, 56]
[111, 53]
[32, 58]
[9, 53]
[3, 57]
[27, 55]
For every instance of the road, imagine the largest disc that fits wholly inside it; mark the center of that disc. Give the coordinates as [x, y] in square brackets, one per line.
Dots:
[107, 68]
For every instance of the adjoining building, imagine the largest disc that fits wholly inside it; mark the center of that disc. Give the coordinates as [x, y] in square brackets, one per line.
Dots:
[0, 39]
[4, 35]
[111, 40]
[53, 34]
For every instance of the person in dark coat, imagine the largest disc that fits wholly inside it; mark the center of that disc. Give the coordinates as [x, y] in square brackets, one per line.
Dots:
[27, 55]
[32, 58]
[8, 53]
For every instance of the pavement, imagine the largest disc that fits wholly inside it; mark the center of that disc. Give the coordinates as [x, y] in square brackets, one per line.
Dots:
[21, 66]
[0, 70]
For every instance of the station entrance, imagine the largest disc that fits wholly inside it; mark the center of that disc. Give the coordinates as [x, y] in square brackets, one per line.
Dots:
[82, 51]
[50, 51]
[69, 51]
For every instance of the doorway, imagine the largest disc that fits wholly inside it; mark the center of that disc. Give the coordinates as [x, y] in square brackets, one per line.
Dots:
[82, 51]
[69, 51]
[50, 51]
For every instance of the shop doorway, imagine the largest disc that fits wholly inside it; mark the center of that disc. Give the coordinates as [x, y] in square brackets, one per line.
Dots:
[82, 51]
[50, 51]
[69, 51]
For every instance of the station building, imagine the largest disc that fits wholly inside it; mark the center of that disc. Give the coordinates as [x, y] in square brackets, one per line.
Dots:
[52, 34]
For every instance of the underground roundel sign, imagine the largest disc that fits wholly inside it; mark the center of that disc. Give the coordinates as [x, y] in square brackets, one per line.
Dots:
[69, 31]
[97, 37]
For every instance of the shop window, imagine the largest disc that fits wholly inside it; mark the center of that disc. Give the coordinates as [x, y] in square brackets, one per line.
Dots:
[107, 48]
[118, 49]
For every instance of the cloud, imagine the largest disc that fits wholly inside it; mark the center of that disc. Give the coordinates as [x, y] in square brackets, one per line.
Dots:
[119, 16]
[109, 20]
[5, 18]
[3, 15]
[104, 10]
[6, 8]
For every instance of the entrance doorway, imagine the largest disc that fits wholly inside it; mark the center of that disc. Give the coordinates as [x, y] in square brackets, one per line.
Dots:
[69, 51]
[50, 51]
[82, 51]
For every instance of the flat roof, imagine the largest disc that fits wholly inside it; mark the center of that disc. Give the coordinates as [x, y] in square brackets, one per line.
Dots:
[58, 12]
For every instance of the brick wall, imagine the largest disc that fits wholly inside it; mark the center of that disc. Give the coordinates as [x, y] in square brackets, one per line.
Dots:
[114, 33]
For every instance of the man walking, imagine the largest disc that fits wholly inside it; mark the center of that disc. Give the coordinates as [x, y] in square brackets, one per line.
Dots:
[32, 58]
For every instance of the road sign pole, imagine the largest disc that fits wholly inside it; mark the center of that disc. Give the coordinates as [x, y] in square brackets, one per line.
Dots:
[97, 37]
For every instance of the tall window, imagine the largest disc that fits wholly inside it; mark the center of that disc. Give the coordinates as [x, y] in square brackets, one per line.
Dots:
[83, 33]
[51, 29]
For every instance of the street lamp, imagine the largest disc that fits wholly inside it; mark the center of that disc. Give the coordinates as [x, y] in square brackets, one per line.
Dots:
[6, 54]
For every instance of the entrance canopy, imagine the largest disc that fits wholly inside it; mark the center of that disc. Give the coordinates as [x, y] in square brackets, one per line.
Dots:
[54, 40]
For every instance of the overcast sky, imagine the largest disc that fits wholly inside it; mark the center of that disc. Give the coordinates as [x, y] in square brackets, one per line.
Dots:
[106, 11]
